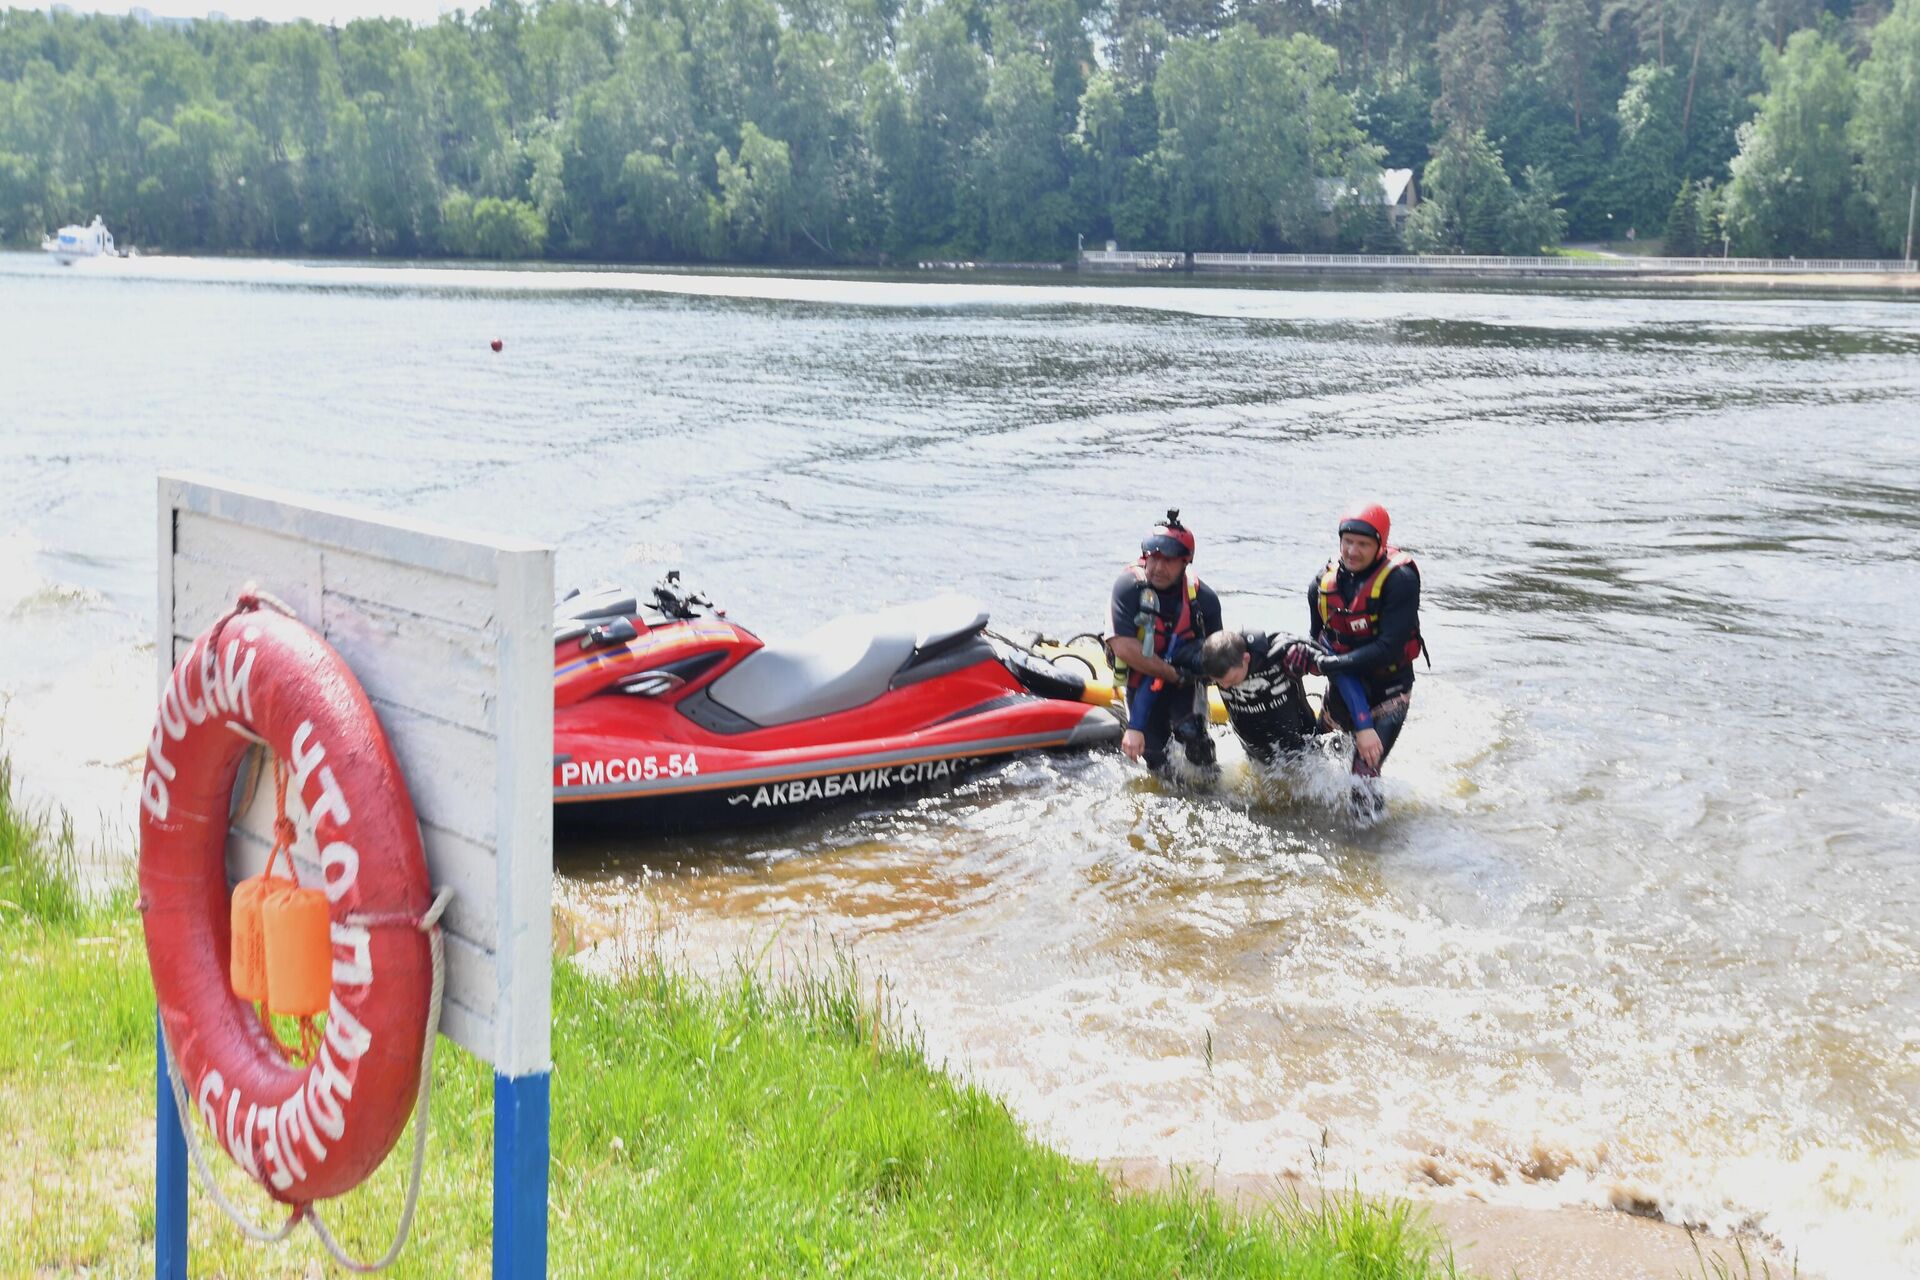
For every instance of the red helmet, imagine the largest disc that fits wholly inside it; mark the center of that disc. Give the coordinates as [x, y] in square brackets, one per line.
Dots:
[1169, 538]
[1369, 518]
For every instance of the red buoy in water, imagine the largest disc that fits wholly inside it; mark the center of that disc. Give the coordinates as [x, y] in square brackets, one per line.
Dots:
[496, 344]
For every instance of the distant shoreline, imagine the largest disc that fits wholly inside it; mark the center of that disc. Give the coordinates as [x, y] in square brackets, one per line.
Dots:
[1909, 281]
[162, 264]
[1869, 273]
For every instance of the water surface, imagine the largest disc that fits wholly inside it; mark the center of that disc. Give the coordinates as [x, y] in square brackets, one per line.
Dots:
[1641, 928]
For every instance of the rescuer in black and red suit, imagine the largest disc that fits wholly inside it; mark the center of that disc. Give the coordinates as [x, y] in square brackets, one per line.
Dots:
[1159, 615]
[1364, 615]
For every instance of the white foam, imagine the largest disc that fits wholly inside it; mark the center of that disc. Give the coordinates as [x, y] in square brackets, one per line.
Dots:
[75, 702]
[20, 579]
[76, 744]
[1843, 1212]
[1439, 763]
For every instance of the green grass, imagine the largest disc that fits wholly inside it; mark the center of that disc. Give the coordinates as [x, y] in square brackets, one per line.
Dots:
[1644, 247]
[37, 863]
[1740, 1267]
[753, 1127]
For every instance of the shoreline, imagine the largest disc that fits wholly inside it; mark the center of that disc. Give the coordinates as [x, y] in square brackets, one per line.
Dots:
[1488, 1240]
[1009, 276]
[1497, 1240]
[1475, 278]
[1898, 282]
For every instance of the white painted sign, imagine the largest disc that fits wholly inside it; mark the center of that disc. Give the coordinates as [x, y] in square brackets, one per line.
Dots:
[450, 635]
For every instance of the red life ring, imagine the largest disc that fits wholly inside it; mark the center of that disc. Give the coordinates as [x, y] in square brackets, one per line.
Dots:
[304, 1133]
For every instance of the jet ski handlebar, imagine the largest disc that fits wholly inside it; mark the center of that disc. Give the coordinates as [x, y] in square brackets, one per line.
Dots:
[676, 600]
[609, 615]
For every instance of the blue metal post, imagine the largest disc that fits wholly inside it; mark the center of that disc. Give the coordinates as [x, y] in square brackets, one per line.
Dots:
[169, 1173]
[520, 1155]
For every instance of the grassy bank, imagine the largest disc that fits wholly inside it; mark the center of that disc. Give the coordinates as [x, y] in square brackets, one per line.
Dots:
[750, 1128]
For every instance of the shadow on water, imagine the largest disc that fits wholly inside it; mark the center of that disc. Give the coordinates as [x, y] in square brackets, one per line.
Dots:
[1771, 342]
[1590, 581]
[1849, 506]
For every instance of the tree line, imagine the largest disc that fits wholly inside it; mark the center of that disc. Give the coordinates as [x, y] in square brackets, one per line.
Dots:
[863, 131]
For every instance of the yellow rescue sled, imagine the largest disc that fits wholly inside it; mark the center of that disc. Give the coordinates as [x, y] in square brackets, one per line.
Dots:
[1084, 659]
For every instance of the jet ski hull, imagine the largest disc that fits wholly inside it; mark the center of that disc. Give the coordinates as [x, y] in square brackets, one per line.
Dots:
[766, 796]
[652, 731]
[709, 785]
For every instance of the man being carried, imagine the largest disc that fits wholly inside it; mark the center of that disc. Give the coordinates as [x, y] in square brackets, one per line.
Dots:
[1160, 614]
[1258, 676]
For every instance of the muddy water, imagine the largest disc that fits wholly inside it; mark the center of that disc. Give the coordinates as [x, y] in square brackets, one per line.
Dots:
[1641, 927]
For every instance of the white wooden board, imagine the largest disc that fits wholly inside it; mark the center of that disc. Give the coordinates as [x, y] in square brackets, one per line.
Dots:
[450, 634]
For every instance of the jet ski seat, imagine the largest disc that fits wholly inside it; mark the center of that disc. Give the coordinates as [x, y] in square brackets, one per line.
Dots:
[844, 663]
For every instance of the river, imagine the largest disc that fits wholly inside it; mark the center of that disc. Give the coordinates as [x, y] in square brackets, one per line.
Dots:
[1643, 926]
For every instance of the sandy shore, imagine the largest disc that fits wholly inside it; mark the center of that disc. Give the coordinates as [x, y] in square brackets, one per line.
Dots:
[1500, 1242]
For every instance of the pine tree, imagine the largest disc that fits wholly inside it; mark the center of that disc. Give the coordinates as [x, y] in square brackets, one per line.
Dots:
[1380, 236]
[1683, 230]
[1707, 218]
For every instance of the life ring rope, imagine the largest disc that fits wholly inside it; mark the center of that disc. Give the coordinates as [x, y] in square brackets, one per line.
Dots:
[429, 924]
[285, 834]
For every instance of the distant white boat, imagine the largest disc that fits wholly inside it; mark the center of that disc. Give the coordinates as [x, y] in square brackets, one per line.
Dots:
[70, 244]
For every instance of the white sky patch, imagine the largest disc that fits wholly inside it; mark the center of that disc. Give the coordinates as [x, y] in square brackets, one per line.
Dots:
[423, 12]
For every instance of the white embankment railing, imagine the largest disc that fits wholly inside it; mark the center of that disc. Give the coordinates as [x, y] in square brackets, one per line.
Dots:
[1137, 260]
[1133, 259]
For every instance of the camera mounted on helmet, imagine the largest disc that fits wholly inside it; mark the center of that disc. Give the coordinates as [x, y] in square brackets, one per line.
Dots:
[1169, 539]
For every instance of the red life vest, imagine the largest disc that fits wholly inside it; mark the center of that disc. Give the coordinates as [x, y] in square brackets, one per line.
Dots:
[1156, 633]
[1349, 621]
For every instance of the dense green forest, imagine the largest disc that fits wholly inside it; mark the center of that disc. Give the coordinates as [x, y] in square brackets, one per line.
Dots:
[862, 131]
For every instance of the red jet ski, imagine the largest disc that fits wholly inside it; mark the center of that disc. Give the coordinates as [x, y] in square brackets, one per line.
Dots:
[668, 715]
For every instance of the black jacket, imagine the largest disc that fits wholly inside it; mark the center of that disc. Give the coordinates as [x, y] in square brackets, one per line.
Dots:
[1269, 709]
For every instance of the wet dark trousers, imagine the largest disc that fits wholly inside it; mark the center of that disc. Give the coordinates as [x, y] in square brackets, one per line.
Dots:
[1159, 727]
[1389, 717]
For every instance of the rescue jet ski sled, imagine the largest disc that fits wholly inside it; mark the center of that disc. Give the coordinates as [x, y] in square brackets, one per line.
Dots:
[668, 715]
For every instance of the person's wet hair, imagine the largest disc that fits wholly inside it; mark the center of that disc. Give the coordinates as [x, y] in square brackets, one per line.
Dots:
[1221, 652]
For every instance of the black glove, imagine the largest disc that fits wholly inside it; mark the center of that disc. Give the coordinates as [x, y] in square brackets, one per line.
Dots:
[1332, 664]
[1187, 663]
